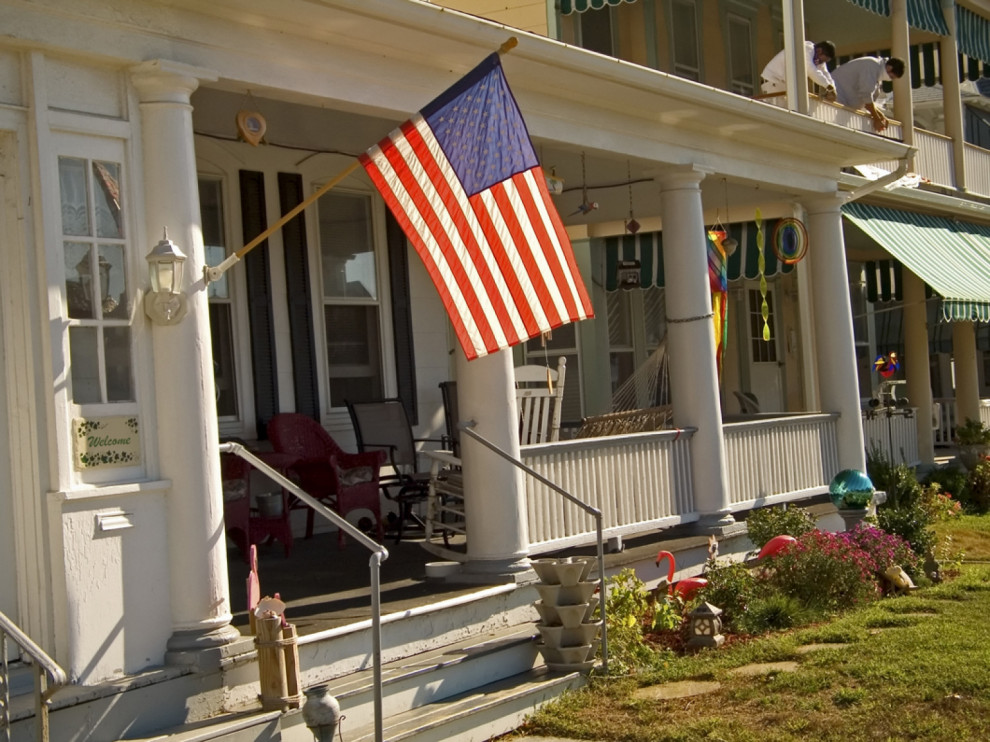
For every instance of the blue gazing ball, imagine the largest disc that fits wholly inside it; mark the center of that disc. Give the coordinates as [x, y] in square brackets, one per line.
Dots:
[851, 488]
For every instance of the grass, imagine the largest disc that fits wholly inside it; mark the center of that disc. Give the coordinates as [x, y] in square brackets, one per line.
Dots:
[969, 534]
[914, 669]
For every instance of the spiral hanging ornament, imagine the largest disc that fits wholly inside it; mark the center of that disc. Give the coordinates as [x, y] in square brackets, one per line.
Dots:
[761, 264]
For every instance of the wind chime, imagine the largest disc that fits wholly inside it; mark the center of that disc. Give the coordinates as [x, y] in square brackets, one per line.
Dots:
[631, 225]
[586, 206]
[761, 265]
[720, 246]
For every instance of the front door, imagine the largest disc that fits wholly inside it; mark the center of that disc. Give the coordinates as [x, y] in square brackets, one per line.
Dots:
[765, 364]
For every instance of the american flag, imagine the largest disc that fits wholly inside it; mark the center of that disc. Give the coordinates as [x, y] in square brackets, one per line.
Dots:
[463, 180]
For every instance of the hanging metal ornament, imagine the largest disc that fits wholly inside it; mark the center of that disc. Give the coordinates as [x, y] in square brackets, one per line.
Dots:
[632, 226]
[761, 264]
[729, 243]
[251, 125]
[586, 206]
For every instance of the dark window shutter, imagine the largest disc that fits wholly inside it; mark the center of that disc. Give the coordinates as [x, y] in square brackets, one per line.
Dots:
[405, 357]
[259, 296]
[290, 194]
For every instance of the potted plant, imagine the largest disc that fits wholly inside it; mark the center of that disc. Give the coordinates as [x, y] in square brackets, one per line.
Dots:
[973, 439]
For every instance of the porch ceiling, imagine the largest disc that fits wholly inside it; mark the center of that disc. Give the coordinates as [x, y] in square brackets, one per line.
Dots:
[382, 61]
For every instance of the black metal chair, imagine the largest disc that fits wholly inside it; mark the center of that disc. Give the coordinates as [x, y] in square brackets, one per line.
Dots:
[384, 426]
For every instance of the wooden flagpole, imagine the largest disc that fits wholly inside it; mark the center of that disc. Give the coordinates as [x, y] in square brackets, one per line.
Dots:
[214, 273]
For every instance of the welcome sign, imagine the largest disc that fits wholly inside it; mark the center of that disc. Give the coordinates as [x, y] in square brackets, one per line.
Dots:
[105, 442]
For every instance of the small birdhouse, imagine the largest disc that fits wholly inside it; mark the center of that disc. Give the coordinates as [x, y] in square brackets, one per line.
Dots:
[705, 626]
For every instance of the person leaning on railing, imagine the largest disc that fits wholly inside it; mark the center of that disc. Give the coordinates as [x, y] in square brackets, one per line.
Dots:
[774, 79]
[859, 84]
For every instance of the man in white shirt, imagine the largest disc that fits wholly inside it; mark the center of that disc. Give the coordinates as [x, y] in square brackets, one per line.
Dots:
[859, 84]
[818, 56]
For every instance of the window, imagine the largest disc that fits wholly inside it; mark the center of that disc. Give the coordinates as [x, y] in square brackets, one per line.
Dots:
[561, 342]
[97, 295]
[742, 75]
[351, 298]
[596, 30]
[218, 293]
[636, 327]
[685, 42]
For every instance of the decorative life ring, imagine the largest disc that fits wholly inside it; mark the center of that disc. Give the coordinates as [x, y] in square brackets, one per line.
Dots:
[790, 240]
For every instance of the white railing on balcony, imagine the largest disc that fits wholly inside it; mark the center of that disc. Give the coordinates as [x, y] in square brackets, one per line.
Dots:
[640, 482]
[779, 459]
[893, 433]
[934, 158]
[977, 169]
[851, 118]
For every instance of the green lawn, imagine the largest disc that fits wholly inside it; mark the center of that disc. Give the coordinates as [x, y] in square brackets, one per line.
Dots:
[915, 668]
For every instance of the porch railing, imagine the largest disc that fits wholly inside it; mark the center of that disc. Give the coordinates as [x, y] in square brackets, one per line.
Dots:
[948, 419]
[977, 169]
[779, 459]
[894, 433]
[48, 678]
[934, 158]
[640, 482]
[378, 555]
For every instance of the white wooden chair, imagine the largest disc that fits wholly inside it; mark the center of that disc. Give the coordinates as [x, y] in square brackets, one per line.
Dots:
[539, 394]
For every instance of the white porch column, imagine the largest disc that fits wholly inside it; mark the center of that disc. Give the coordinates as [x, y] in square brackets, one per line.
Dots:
[691, 334]
[494, 502]
[795, 61]
[900, 44]
[951, 97]
[967, 374]
[832, 315]
[187, 418]
[919, 382]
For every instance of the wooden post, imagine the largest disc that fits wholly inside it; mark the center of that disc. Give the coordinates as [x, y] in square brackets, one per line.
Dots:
[278, 664]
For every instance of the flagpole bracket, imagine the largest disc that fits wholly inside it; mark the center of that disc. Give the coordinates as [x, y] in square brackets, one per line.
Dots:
[213, 273]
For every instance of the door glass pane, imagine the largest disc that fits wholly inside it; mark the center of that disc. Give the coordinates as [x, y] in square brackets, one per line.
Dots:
[353, 360]
[113, 282]
[106, 199]
[74, 197]
[223, 359]
[117, 350]
[346, 247]
[79, 280]
[211, 214]
[685, 39]
[741, 56]
[84, 365]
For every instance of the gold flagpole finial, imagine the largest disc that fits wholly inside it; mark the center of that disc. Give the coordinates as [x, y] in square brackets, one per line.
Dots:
[508, 46]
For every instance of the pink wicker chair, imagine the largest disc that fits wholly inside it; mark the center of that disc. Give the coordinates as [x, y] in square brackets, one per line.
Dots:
[343, 481]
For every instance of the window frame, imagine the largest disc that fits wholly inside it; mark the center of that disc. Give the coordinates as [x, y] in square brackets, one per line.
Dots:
[335, 414]
[745, 11]
[673, 38]
[75, 139]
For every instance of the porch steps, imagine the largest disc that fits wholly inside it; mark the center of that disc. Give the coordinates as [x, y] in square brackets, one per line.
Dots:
[477, 715]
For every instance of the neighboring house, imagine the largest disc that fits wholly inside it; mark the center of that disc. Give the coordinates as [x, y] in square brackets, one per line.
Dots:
[120, 119]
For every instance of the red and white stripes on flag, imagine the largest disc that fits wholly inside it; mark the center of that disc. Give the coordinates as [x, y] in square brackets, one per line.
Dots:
[500, 258]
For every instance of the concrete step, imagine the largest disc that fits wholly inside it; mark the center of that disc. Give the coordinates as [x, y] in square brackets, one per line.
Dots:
[439, 673]
[476, 715]
[263, 726]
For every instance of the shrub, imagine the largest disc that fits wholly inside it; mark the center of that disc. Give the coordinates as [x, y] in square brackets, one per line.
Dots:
[951, 480]
[731, 586]
[978, 486]
[773, 613]
[937, 504]
[884, 549]
[972, 433]
[629, 610]
[823, 571]
[913, 524]
[765, 523]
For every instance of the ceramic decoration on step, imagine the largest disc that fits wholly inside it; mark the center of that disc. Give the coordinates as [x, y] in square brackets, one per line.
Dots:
[569, 636]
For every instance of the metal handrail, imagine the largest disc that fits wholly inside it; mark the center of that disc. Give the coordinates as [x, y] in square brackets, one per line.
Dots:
[466, 426]
[48, 678]
[378, 555]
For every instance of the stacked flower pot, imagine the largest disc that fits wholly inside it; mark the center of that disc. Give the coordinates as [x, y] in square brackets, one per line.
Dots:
[569, 635]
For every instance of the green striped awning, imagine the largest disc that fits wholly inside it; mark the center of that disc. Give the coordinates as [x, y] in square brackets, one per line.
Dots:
[952, 257]
[925, 15]
[647, 248]
[972, 34]
[579, 6]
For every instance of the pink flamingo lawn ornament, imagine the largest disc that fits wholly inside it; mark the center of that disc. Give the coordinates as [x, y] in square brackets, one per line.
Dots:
[775, 545]
[686, 587]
